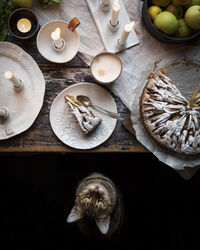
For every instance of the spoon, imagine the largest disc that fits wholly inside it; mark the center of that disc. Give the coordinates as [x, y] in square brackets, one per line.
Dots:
[87, 102]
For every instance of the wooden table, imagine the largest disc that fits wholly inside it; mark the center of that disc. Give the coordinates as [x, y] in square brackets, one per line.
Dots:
[40, 137]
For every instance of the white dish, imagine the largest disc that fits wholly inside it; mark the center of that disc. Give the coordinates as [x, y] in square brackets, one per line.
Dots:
[64, 123]
[45, 43]
[23, 106]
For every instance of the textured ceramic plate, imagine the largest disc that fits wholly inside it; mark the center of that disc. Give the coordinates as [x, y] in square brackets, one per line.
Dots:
[45, 44]
[23, 106]
[64, 123]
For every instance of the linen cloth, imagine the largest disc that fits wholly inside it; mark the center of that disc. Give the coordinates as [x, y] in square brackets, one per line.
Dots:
[137, 61]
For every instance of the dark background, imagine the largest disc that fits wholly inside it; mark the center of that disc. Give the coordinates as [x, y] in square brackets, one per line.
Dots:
[37, 193]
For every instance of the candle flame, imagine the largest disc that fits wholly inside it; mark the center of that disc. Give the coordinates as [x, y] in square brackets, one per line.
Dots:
[55, 35]
[130, 26]
[8, 75]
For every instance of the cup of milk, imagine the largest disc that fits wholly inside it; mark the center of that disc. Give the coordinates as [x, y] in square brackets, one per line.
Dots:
[106, 67]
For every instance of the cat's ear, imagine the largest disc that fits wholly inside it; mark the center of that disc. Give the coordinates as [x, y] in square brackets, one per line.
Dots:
[74, 215]
[103, 224]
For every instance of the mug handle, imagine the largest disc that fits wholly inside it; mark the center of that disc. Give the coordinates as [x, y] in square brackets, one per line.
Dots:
[73, 24]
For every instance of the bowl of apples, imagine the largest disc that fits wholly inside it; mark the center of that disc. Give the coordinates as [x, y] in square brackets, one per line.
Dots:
[172, 21]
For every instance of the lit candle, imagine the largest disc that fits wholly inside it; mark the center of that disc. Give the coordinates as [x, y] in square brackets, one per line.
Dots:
[125, 33]
[105, 2]
[58, 41]
[24, 25]
[17, 82]
[3, 112]
[115, 13]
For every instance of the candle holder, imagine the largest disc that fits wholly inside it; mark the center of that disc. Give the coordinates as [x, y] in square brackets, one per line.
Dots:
[66, 41]
[3, 113]
[120, 44]
[18, 83]
[108, 32]
[105, 8]
[20, 86]
[18, 15]
[113, 28]
[59, 47]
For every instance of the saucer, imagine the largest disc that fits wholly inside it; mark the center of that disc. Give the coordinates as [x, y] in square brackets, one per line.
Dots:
[45, 43]
[64, 123]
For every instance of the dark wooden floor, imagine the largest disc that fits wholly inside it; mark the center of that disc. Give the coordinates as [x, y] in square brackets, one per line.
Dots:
[37, 192]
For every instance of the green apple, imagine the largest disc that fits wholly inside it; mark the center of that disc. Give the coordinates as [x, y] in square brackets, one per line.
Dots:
[166, 22]
[176, 10]
[153, 11]
[183, 29]
[162, 3]
[193, 2]
[181, 2]
[192, 17]
[23, 3]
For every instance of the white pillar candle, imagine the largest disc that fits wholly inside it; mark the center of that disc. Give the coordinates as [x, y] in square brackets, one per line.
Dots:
[55, 35]
[9, 76]
[105, 2]
[115, 13]
[3, 112]
[126, 31]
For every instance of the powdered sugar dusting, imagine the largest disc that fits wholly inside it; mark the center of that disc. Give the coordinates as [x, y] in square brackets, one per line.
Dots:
[169, 116]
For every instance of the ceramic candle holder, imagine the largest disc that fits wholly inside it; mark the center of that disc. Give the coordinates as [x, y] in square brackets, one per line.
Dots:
[114, 28]
[68, 35]
[105, 8]
[3, 113]
[106, 67]
[23, 24]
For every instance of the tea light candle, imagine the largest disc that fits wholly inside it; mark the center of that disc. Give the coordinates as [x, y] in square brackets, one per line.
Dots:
[57, 40]
[24, 25]
[17, 82]
[3, 113]
[106, 67]
[115, 13]
[126, 31]
[105, 2]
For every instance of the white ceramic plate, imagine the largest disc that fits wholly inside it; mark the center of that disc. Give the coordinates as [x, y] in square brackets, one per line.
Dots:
[45, 44]
[23, 106]
[64, 123]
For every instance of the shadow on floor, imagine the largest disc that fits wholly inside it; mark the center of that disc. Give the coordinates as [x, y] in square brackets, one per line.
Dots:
[37, 193]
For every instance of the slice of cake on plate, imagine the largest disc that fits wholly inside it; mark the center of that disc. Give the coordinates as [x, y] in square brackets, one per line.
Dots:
[86, 119]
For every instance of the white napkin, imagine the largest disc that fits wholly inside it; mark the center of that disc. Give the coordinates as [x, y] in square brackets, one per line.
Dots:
[136, 61]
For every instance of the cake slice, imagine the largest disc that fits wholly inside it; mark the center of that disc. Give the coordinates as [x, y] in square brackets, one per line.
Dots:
[85, 117]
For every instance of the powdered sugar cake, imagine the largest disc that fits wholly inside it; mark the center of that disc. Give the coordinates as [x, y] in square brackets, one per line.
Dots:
[85, 117]
[171, 119]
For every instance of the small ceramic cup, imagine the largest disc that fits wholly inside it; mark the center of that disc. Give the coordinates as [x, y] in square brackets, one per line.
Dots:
[24, 15]
[106, 67]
